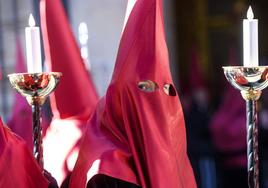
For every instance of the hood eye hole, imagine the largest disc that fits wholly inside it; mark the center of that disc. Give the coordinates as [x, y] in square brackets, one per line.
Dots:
[169, 90]
[147, 86]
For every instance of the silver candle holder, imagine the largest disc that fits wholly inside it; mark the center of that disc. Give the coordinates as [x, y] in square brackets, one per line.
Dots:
[250, 81]
[35, 87]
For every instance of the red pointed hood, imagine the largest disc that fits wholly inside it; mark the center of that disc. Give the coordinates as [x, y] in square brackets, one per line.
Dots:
[137, 132]
[76, 94]
[143, 53]
[143, 98]
[20, 121]
[75, 97]
[20, 62]
[18, 168]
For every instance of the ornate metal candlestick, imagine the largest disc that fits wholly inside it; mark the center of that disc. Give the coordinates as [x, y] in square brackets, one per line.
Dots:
[250, 81]
[35, 87]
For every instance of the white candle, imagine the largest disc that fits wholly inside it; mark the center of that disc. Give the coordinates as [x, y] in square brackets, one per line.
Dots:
[33, 47]
[250, 40]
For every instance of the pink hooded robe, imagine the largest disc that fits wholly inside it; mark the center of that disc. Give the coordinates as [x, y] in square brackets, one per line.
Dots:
[228, 129]
[75, 97]
[20, 121]
[137, 132]
[227, 125]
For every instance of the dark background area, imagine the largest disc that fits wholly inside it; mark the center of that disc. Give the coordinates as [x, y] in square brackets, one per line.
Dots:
[209, 35]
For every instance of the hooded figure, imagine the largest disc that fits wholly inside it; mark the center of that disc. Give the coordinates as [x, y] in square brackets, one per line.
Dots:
[227, 126]
[75, 97]
[228, 130]
[137, 133]
[20, 121]
[18, 167]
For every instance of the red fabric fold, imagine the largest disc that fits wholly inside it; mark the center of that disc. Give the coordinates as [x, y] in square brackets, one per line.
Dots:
[18, 168]
[75, 97]
[138, 135]
[63, 55]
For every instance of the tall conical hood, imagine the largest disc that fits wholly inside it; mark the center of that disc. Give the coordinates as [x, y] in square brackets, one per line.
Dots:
[137, 132]
[143, 52]
[20, 62]
[75, 97]
[76, 94]
[20, 121]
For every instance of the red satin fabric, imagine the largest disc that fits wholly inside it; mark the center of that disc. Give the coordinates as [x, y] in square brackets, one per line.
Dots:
[134, 135]
[18, 168]
[75, 97]
[76, 94]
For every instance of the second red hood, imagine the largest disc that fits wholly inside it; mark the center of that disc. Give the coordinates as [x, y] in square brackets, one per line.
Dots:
[138, 132]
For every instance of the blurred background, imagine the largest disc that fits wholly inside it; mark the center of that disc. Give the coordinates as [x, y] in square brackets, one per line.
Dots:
[202, 37]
